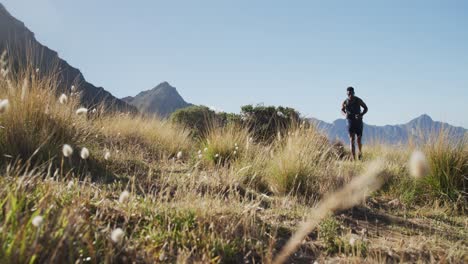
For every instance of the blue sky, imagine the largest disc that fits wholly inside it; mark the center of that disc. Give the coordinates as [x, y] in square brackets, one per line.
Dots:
[404, 58]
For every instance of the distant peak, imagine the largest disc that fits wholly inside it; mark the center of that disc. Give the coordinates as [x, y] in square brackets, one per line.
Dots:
[164, 84]
[424, 117]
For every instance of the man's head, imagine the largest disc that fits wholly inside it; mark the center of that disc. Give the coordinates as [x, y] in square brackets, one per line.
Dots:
[350, 92]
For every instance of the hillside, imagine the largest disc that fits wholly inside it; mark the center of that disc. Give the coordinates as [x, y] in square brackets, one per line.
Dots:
[25, 49]
[162, 100]
[419, 128]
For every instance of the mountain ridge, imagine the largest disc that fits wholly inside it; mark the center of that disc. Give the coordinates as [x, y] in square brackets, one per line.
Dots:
[417, 128]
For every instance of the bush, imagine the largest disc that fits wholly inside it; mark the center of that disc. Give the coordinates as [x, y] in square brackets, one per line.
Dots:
[200, 119]
[197, 118]
[265, 122]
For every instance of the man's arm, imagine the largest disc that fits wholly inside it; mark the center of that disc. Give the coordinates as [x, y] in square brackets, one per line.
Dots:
[363, 105]
[343, 108]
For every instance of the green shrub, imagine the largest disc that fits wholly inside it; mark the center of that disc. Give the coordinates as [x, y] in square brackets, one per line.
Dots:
[329, 232]
[197, 118]
[265, 122]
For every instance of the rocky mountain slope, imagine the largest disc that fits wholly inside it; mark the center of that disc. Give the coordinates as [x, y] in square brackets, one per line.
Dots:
[23, 47]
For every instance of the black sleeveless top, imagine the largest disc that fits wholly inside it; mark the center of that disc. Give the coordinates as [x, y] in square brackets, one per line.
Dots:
[352, 107]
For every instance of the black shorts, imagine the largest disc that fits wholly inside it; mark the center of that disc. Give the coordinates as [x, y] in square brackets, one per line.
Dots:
[355, 126]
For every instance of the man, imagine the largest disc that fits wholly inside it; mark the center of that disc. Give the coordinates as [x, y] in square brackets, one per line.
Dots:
[351, 108]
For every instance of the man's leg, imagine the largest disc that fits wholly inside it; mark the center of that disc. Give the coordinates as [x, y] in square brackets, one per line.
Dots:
[351, 141]
[359, 143]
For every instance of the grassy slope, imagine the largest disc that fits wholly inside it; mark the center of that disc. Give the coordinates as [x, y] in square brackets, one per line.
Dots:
[236, 201]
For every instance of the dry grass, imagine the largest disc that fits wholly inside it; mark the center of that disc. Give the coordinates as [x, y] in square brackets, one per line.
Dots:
[233, 208]
[162, 138]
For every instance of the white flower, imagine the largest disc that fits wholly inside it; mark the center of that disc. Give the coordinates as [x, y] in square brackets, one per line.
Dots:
[199, 152]
[117, 235]
[205, 149]
[216, 155]
[37, 221]
[107, 155]
[237, 148]
[63, 99]
[73, 88]
[179, 155]
[4, 105]
[37, 70]
[200, 156]
[280, 114]
[94, 110]
[67, 150]
[418, 165]
[124, 197]
[82, 111]
[84, 153]
[235, 152]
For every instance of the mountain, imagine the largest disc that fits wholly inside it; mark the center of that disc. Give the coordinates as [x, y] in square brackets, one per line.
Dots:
[162, 100]
[417, 129]
[23, 48]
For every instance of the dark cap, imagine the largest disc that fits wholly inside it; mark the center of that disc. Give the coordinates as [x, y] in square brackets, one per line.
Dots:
[350, 89]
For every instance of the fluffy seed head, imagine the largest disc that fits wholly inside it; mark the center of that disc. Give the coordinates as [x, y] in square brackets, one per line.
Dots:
[124, 197]
[117, 235]
[418, 165]
[63, 99]
[24, 89]
[107, 155]
[179, 155]
[37, 221]
[82, 111]
[67, 150]
[70, 184]
[280, 114]
[4, 104]
[4, 72]
[205, 149]
[84, 153]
